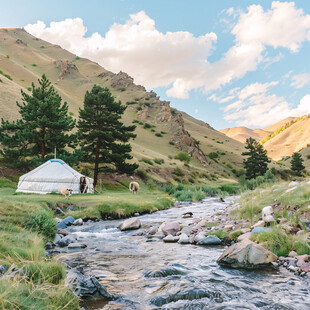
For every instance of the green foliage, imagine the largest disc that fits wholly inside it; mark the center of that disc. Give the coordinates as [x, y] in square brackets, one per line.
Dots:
[146, 160]
[42, 222]
[171, 143]
[308, 156]
[182, 156]
[139, 109]
[123, 89]
[280, 243]
[256, 163]
[178, 171]
[157, 134]
[221, 234]
[231, 189]
[163, 132]
[211, 224]
[147, 126]
[1, 81]
[8, 56]
[6, 75]
[102, 136]
[34, 65]
[5, 183]
[29, 88]
[130, 102]
[44, 124]
[234, 235]
[40, 272]
[213, 155]
[159, 161]
[297, 163]
[141, 174]
[151, 185]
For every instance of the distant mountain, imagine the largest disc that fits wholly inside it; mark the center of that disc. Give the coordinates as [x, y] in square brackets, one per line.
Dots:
[162, 132]
[242, 133]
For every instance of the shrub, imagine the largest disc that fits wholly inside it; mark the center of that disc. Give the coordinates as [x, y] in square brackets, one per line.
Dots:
[6, 75]
[139, 108]
[151, 185]
[29, 88]
[135, 121]
[163, 132]
[123, 89]
[147, 126]
[141, 174]
[159, 161]
[157, 134]
[234, 235]
[230, 189]
[152, 130]
[221, 234]
[148, 161]
[130, 102]
[182, 156]
[1, 81]
[34, 65]
[178, 171]
[213, 155]
[229, 166]
[42, 222]
[171, 143]
[7, 183]
[8, 56]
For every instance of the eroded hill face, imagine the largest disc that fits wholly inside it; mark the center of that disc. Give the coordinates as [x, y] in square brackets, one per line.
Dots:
[162, 132]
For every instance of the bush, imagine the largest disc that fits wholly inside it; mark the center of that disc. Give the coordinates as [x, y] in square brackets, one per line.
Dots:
[213, 155]
[221, 234]
[171, 143]
[130, 102]
[34, 65]
[159, 161]
[234, 235]
[147, 126]
[148, 161]
[42, 222]
[182, 156]
[7, 183]
[157, 134]
[6, 75]
[151, 185]
[178, 171]
[308, 156]
[141, 174]
[230, 189]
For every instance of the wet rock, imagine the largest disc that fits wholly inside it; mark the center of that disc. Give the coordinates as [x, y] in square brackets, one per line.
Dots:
[77, 245]
[78, 222]
[245, 236]
[199, 237]
[258, 230]
[304, 257]
[183, 239]
[49, 245]
[66, 240]
[57, 238]
[153, 230]
[165, 272]
[248, 255]
[129, 224]
[63, 232]
[171, 228]
[85, 284]
[305, 267]
[210, 240]
[171, 238]
[187, 215]
[3, 269]
[259, 224]
[140, 232]
[69, 220]
[186, 230]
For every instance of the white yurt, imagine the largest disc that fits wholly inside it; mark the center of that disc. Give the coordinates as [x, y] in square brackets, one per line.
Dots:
[50, 175]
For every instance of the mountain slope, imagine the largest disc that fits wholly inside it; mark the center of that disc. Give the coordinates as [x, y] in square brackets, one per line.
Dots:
[162, 132]
[242, 133]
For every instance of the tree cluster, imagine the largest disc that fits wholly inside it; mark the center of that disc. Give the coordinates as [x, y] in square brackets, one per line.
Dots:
[45, 125]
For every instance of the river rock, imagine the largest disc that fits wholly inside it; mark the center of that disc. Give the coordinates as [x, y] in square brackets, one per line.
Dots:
[269, 219]
[153, 230]
[210, 240]
[228, 227]
[69, 220]
[282, 220]
[3, 269]
[202, 223]
[57, 238]
[77, 245]
[304, 257]
[129, 224]
[248, 255]
[199, 237]
[171, 238]
[305, 267]
[65, 241]
[171, 228]
[245, 236]
[85, 284]
[187, 215]
[186, 230]
[62, 232]
[258, 230]
[183, 239]
[78, 222]
[259, 224]
[292, 254]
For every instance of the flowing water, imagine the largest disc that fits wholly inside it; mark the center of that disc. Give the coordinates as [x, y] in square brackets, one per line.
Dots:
[149, 274]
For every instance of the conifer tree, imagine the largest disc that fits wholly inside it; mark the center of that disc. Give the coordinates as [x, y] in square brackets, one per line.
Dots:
[102, 136]
[44, 124]
[297, 163]
[256, 163]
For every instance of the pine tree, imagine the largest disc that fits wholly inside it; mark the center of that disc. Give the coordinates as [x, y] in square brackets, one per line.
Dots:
[44, 124]
[297, 163]
[102, 135]
[256, 163]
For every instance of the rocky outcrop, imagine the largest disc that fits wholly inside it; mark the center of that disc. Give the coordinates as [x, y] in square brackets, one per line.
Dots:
[66, 67]
[129, 224]
[248, 255]
[122, 80]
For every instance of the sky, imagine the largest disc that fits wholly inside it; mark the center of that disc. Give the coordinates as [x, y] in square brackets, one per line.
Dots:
[228, 63]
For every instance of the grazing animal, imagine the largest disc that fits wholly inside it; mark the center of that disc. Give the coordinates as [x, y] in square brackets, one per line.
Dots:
[64, 191]
[134, 187]
[266, 212]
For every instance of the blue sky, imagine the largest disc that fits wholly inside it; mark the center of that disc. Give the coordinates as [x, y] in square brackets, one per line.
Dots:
[228, 63]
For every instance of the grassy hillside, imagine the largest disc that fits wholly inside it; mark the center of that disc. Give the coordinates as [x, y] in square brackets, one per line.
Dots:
[161, 133]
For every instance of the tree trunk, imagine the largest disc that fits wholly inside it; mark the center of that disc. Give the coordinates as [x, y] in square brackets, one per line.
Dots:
[96, 163]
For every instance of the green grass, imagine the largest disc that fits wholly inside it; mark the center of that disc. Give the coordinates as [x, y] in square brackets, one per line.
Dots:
[211, 224]
[221, 234]
[5, 183]
[6, 75]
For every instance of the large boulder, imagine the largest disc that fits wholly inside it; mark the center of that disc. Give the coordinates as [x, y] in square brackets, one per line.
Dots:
[210, 240]
[266, 212]
[183, 239]
[129, 224]
[69, 220]
[247, 254]
[199, 237]
[171, 238]
[171, 228]
[66, 240]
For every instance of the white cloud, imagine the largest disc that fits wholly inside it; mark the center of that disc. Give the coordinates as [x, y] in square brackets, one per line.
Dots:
[256, 107]
[179, 60]
[300, 80]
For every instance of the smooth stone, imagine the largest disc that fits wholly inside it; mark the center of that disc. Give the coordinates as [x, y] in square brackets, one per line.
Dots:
[258, 230]
[248, 255]
[171, 238]
[267, 211]
[293, 268]
[292, 254]
[77, 245]
[62, 232]
[129, 224]
[186, 230]
[305, 267]
[69, 220]
[228, 227]
[210, 240]
[259, 224]
[245, 236]
[78, 222]
[199, 237]
[49, 245]
[269, 219]
[65, 241]
[300, 262]
[183, 239]
[153, 230]
[283, 220]
[57, 238]
[202, 223]
[304, 257]
[171, 228]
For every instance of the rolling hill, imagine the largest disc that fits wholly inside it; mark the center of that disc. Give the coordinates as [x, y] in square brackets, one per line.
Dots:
[162, 132]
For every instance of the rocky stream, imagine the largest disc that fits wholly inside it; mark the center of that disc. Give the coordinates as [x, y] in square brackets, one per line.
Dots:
[135, 270]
